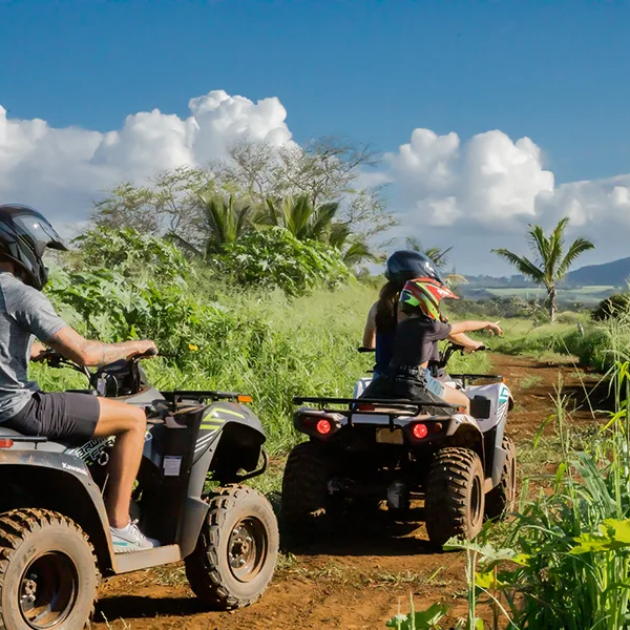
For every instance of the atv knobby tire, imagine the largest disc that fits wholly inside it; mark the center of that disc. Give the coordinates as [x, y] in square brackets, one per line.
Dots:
[306, 501]
[454, 495]
[237, 549]
[500, 500]
[45, 557]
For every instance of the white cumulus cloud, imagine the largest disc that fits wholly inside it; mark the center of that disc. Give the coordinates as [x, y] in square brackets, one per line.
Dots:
[473, 194]
[62, 170]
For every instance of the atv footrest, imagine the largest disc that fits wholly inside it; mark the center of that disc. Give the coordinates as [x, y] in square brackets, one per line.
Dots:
[135, 560]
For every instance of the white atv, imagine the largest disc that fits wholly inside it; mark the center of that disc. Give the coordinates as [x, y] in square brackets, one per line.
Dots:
[368, 450]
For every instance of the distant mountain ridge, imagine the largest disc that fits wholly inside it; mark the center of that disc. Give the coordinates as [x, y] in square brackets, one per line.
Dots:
[615, 273]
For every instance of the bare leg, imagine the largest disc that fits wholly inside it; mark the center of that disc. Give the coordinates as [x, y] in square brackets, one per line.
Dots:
[128, 424]
[455, 397]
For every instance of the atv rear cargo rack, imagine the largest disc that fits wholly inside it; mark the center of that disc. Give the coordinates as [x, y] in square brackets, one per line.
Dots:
[407, 407]
[476, 377]
[186, 394]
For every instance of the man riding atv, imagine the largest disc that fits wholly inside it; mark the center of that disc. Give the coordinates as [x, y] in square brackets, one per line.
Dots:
[73, 418]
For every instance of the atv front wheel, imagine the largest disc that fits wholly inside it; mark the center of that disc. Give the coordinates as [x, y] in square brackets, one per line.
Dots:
[48, 576]
[500, 500]
[306, 500]
[454, 496]
[237, 549]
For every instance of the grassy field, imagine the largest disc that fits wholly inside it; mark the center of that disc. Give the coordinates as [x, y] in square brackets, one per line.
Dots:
[584, 295]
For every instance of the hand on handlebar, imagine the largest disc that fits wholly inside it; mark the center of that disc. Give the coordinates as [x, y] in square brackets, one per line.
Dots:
[143, 349]
[479, 347]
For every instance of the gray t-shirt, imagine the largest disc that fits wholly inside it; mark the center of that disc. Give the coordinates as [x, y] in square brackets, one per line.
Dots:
[25, 313]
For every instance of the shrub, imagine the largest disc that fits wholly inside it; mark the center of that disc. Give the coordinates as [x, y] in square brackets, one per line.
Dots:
[275, 258]
[614, 306]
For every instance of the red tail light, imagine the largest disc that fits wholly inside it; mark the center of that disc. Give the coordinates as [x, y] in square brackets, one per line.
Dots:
[420, 431]
[6, 443]
[323, 427]
[365, 407]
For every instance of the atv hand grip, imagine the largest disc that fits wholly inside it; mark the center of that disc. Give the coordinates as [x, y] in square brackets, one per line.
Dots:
[366, 350]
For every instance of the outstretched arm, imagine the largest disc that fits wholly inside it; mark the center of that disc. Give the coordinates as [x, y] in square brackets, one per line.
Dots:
[472, 326]
[73, 346]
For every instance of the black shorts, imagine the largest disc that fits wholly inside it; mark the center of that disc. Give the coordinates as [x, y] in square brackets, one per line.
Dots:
[61, 417]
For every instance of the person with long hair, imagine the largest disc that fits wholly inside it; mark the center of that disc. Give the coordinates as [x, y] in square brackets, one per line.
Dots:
[421, 324]
[380, 328]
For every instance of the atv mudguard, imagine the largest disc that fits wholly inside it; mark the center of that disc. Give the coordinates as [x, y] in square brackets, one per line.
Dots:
[463, 430]
[230, 438]
[493, 428]
[57, 481]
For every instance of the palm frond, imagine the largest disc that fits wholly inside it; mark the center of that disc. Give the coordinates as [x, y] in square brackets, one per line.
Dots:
[538, 243]
[414, 244]
[322, 217]
[522, 264]
[357, 252]
[189, 250]
[578, 247]
[338, 235]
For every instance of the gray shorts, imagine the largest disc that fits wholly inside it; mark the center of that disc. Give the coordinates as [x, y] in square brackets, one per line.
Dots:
[61, 417]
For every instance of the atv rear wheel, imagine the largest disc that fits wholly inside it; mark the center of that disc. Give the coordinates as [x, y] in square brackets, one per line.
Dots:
[454, 495]
[306, 500]
[48, 574]
[237, 549]
[500, 500]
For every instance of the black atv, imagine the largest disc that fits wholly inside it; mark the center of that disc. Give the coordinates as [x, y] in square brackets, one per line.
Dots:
[54, 535]
[363, 452]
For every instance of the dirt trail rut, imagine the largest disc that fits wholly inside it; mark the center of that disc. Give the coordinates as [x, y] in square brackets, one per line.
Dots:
[355, 580]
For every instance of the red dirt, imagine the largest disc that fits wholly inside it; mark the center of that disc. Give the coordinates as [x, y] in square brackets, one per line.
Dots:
[356, 580]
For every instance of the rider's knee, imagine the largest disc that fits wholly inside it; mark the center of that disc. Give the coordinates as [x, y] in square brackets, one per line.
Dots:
[137, 420]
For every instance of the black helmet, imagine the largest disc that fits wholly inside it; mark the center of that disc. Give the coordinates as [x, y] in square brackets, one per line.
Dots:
[24, 236]
[407, 265]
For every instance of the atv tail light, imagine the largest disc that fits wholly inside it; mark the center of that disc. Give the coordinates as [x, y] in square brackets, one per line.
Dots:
[6, 443]
[323, 427]
[364, 407]
[242, 398]
[420, 431]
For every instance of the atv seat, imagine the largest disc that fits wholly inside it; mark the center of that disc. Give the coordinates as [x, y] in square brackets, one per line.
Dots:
[54, 447]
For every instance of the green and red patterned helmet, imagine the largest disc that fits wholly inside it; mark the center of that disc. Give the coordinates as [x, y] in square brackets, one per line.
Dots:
[423, 296]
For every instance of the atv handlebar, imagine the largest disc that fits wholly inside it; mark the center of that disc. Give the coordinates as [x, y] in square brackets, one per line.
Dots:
[365, 350]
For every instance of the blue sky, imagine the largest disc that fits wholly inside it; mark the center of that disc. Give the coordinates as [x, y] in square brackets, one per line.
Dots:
[556, 72]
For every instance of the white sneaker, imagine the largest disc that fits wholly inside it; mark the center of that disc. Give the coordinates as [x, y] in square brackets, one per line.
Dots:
[130, 538]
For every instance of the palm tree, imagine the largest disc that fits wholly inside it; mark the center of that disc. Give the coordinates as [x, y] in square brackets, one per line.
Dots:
[298, 215]
[353, 248]
[222, 221]
[553, 263]
[437, 255]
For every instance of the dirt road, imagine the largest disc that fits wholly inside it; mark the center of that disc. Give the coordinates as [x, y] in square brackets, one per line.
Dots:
[355, 580]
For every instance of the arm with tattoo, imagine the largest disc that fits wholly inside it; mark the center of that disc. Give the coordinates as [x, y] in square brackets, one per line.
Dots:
[73, 346]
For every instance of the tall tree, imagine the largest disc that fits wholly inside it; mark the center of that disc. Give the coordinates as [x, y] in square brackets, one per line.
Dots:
[552, 263]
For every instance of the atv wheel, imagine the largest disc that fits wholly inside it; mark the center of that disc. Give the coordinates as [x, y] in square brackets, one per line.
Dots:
[454, 497]
[237, 549]
[48, 576]
[500, 500]
[306, 500]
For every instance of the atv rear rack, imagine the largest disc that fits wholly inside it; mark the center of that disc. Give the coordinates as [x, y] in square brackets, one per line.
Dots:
[407, 407]
[476, 377]
[186, 394]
